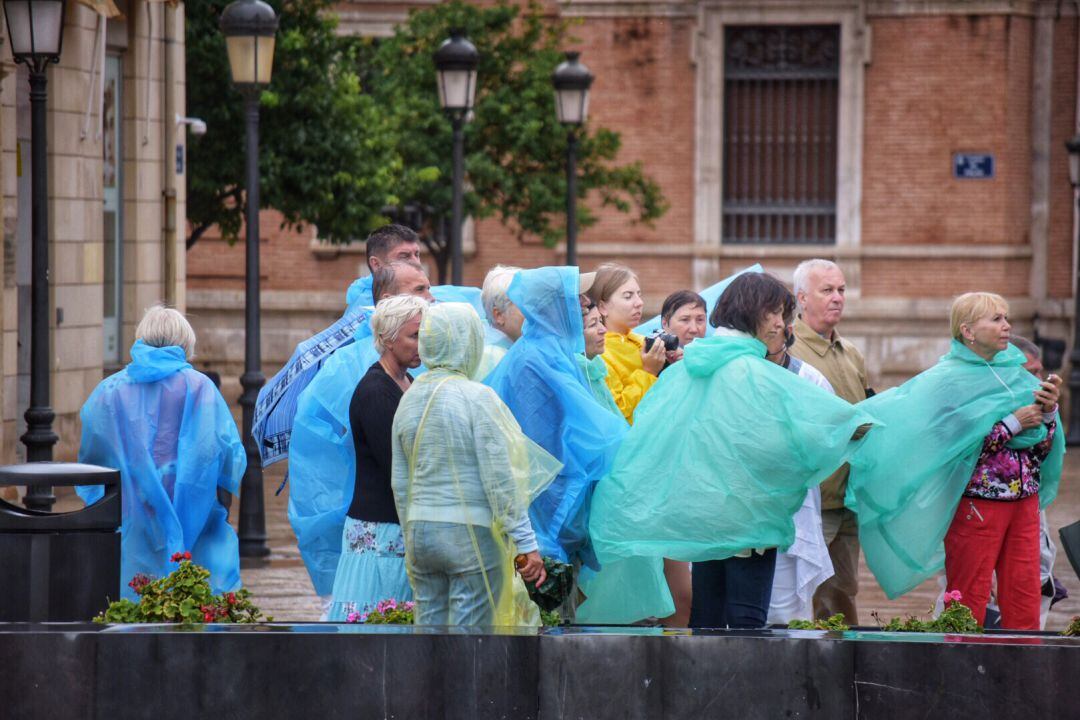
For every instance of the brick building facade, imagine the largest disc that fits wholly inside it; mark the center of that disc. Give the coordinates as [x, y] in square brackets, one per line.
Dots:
[115, 198]
[780, 130]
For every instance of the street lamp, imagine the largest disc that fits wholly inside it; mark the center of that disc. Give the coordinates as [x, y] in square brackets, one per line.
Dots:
[1073, 436]
[455, 62]
[249, 27]
[36, 32]
[571, 80]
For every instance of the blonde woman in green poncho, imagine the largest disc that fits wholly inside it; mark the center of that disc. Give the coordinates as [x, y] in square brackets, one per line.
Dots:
[971, 453]
[463, 477]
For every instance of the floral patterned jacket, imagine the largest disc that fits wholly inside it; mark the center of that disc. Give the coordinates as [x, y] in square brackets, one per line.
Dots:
[1004, 473]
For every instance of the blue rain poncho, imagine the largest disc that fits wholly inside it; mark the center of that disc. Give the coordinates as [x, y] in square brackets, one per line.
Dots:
[168, 431]
[322, 460]
[907, 479]
[461, 458]
[276, 406]
[719, 459]
[544, 387]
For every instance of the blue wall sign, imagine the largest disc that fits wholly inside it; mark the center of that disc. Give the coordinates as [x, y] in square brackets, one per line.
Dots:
[179, 159]
[973, 166]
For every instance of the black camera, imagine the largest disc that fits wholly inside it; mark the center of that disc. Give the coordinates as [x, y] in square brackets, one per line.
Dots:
[670, 341]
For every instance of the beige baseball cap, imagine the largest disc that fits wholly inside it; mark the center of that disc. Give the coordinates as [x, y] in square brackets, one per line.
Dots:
[585, 282]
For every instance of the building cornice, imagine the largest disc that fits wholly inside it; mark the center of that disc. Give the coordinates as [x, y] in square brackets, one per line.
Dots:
[872, 8]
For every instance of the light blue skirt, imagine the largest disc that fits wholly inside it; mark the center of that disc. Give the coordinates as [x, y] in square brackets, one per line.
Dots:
[371, 569]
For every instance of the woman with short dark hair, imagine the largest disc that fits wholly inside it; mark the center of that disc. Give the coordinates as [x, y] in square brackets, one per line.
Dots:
[762, 438]
[683, 315]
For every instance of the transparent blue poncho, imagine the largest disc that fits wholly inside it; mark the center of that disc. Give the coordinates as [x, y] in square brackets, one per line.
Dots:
[545, 388]
[322, 461]
[907, 479]
[168, 431]
[722, 451]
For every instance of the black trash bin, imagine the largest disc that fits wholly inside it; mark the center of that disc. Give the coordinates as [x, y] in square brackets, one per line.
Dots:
[59, 567]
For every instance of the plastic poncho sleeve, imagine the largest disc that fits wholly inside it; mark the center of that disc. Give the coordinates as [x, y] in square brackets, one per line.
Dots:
[510, 507]
[626, 378]
[905, 489]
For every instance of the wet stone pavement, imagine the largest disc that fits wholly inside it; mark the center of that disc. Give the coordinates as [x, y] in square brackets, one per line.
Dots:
[281, 587]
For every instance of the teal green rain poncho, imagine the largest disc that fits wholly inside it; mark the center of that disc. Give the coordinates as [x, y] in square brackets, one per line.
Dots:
[543, 385]
[907, 479]
[168, 431]
[595, 371]
[722, 451]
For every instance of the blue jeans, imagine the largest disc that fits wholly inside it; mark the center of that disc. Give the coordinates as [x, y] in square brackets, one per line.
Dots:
[451, 584]
[734, 592]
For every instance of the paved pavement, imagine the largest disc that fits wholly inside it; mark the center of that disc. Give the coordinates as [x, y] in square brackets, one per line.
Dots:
[282, 589]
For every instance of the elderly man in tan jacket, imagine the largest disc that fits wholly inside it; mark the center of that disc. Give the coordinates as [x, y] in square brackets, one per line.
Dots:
[819, 288]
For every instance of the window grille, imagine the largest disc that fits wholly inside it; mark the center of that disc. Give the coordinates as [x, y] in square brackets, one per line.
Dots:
[781, 95]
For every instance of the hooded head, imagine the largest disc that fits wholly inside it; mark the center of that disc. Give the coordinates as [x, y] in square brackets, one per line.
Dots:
[548, 298]
[452, 338]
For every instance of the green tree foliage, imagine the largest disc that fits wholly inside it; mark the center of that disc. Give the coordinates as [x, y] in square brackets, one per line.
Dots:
[323, 159]
[353, 133]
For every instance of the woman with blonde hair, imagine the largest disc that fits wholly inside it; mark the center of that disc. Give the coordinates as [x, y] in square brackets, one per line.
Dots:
[372, 564]
[632, 369]
[977, 439]
[165, 426]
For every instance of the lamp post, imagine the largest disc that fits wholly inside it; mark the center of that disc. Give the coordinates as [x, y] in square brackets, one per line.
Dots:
[455, 62]
[571, 80]
[249, 27]
[1073, 436]
[36, 31]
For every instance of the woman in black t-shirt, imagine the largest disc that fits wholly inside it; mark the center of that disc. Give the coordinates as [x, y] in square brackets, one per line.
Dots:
[372, 565]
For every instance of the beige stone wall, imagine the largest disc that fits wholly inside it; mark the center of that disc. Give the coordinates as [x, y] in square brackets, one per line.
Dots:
[76, 196]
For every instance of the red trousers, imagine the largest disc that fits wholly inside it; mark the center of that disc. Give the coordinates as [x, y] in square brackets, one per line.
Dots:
[1002, 536]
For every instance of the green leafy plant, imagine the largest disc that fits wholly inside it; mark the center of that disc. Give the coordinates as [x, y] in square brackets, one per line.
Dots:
[955, 619]
[1073, 629]
[835, 622]
[183, 596]
[550, 618]
[385, 612]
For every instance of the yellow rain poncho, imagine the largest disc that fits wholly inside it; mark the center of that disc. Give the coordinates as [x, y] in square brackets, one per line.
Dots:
[461, 458]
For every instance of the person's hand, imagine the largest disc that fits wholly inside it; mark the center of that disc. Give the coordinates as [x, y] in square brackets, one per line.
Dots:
[653, 359]
[533, 568]
[1048, 392]
[1030, 416]
[674, 356]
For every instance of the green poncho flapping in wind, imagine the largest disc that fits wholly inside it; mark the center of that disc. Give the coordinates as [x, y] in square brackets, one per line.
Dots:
[720, 456]
[907, 480]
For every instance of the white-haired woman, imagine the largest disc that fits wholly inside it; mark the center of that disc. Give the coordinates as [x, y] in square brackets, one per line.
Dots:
[372, 564]
[503, 317]
[165, 426]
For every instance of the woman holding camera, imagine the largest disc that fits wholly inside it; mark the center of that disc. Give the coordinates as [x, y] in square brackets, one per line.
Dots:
[632, 369]
[683, 315]
[761, 436]
[970, 499]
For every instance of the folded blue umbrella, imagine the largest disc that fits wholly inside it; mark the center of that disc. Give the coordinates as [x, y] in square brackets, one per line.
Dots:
[275, 409]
